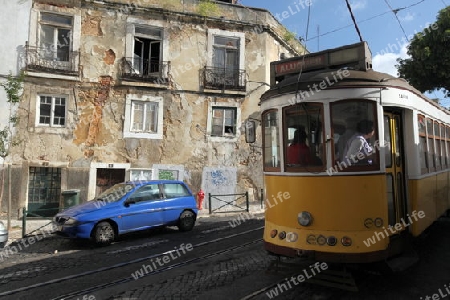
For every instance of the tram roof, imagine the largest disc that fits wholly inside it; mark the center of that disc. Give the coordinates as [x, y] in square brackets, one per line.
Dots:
[337, 78]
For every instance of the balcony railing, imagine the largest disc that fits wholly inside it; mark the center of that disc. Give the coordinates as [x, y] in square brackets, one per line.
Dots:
[60, 61]
[224, 79]
[138, 69]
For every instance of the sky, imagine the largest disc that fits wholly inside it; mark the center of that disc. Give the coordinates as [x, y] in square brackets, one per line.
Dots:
[330, 25]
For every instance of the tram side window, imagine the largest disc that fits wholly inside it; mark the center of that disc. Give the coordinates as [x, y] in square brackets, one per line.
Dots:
[303, 137]
[422, 143]
[431, 155]
[443, 152]
[271, 145]
[447, 141]
[437, 139]
[357, 145]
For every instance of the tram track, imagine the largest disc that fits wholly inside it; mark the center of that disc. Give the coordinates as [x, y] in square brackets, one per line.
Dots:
[129, 263]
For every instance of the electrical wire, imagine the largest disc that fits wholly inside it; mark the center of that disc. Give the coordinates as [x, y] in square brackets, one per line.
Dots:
[395, 11]
[368, 19]
[354, 21]
[303, 58]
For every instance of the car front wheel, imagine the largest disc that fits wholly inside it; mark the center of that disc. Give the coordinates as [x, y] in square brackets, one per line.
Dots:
[186, 221]
[104, 233]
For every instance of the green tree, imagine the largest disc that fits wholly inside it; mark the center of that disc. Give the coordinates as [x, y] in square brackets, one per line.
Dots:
[428, 67]
[13, 88]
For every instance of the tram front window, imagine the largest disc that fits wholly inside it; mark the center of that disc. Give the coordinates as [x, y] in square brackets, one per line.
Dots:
[303, 136]
[356, 145]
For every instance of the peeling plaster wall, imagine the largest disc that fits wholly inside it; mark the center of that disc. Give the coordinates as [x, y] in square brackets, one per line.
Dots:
[94, 131]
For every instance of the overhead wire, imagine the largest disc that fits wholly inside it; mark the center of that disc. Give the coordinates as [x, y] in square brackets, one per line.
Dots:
[395, 11]
[368, 19]
[304, 53]
[354, 21]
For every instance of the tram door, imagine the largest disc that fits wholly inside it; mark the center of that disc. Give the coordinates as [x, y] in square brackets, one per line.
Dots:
[394, 155]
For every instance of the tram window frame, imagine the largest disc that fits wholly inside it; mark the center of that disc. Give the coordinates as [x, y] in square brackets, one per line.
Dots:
[308, 109]
[447, 142]
[343, 166]
[272, 168]
[431, 146]
[447, 145]
[442, 142]
[437, 146]
[423, 143]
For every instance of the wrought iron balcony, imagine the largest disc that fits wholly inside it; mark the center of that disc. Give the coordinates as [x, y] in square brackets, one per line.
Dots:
[224, 79]
[138, 69]
[60, 61]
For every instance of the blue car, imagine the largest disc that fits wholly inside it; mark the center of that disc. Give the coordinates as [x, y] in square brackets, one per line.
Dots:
[128, 207]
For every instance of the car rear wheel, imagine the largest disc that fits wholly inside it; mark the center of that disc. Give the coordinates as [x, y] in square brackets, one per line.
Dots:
[104, 233]
[186, 221]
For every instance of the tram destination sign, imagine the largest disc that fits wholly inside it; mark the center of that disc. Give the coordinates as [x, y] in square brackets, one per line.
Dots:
[305, 63]
[356, 56]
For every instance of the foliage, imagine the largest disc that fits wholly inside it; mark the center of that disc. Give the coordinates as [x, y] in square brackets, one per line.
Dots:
[289, 35]
[428, 67]
[207, 8]
[13, 89]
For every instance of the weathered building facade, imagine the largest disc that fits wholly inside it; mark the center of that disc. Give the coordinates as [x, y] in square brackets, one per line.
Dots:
[153, 89]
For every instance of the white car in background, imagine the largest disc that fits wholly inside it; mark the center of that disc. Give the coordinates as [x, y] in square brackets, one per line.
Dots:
[3, 235]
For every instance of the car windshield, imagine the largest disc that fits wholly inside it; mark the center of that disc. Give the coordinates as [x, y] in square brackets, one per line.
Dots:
[116, 192]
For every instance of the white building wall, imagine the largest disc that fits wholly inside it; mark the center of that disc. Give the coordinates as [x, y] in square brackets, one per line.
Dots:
[15, 19]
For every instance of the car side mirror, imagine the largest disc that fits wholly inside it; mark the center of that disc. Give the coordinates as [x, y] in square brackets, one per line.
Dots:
[250, 131]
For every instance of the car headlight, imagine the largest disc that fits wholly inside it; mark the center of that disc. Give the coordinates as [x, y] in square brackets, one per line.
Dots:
[71, 221]
[304, 218]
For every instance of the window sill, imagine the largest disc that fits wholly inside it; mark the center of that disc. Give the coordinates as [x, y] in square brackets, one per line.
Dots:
[141, 135]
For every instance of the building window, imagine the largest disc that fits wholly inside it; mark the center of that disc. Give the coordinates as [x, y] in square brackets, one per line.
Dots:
[55, 35]
[144, 54]
[147, 51]
[51, 111]
[143, 117]
[53, 43]
[140, 174]
[225, 68]
[226, 54]
[224, 121]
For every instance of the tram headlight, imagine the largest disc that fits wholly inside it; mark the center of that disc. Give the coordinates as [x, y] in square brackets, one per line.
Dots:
[282, 235]
[304, 218]
[291, 237]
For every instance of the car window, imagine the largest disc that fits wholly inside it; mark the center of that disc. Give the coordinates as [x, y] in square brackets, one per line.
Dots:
[146, 193]
[173, 190]
[115, 193]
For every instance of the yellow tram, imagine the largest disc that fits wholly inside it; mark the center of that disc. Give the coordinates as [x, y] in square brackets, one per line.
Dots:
[334, 205]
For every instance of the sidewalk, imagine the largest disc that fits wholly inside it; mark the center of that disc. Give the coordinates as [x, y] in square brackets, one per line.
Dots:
[33, 227]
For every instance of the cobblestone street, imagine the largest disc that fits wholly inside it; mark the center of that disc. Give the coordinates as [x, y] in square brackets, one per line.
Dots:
[225, 263]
